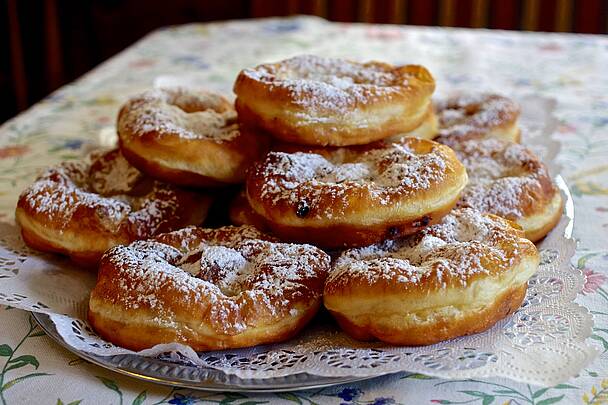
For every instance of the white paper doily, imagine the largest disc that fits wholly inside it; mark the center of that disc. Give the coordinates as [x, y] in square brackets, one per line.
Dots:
[543, 343]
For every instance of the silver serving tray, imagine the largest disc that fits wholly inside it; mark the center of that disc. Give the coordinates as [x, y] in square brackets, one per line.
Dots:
[193, 377]
[199, 378]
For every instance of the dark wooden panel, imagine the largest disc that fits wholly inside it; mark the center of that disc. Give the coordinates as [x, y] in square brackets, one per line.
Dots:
[504, 14]
[589, 16]
[546, 15]
[342, 10]
[265, 8]
[422, 12]
[463, 11]
[45, 43]
[8, 98]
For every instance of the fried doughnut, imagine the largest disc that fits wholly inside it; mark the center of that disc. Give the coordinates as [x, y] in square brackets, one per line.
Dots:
[207, 288]
[322, 101]
[452, 279]
[81, 209]
[185, 137]
[508, 180]
[477, 116]
[355, 196]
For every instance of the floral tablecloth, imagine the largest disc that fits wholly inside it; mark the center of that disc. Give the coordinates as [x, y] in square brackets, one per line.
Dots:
[570, 68]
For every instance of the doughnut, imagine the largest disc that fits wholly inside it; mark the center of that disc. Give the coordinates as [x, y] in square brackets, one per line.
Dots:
[83, 208]
[346, 197]
[477, 116]
[323, 101]
[508, 180]
[185, 137]
[241, 213]
[452, 279]
[211, 289]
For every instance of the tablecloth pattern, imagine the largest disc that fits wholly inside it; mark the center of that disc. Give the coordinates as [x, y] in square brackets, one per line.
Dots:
[573, 69]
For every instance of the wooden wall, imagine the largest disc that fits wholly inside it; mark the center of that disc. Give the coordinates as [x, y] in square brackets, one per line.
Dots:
[46, 43]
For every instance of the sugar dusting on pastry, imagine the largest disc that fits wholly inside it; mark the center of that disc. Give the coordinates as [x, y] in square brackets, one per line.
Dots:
[505, 178]
[334, 84]
[222, 267]
[103, 188]
[187, 114]
[475, 114]
[394, 169]
[457, 248]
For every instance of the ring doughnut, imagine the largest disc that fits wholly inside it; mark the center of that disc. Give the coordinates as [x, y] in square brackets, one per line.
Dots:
[452, 279]
[208, 288]
[508, 180]
[185, 137]
[322, 101]
[81, 209]
[477, 116]
[345, 197]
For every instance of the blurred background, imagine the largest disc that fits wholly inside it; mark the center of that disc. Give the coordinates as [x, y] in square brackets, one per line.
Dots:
[47, 43]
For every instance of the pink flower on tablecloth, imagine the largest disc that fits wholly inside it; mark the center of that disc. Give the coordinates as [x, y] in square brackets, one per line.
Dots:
[551, 47]
[384, 33]
[13, 151]
[593, 281]
[141, 63]
[566, 128]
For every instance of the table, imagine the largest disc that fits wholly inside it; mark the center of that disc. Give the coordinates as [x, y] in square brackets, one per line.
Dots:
[570, 68]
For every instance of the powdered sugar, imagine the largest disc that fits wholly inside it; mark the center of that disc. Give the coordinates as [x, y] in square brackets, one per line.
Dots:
[457, 248]
[466, 115]
[391, 169]
[61, 192]
[179, 112]
[107, 191]
[221, 268]
[329, 84]
[224, 266]
[111, 174]
[504, 178]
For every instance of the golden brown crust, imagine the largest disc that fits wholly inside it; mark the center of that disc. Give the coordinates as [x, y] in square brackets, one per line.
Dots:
[455, 278]
[339, 197]
[322, 101]
[140, 337]
[241, 213]
[81, 209]
[445, 328]
[338, 236]
[187, 138]
[208, 288]
[544, 222]
[84, 258]
[464, 117]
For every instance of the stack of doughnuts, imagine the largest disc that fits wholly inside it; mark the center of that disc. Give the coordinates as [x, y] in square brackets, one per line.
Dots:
[332, 179]
[429, 207]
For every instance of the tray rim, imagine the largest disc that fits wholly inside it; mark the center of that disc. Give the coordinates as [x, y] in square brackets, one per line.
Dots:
[248, 385]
